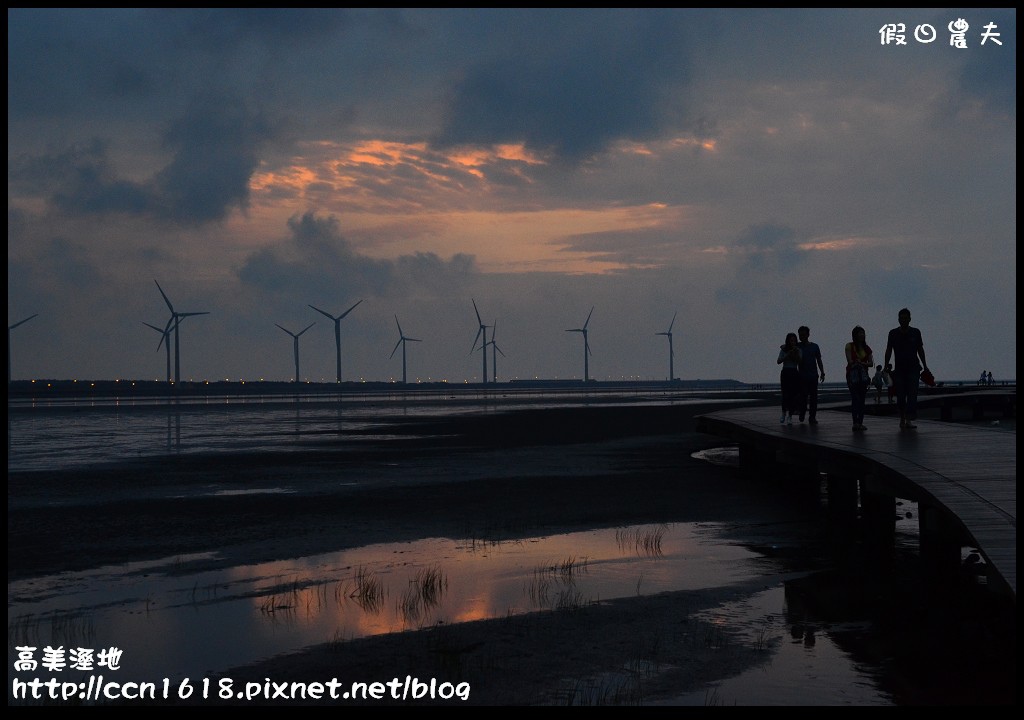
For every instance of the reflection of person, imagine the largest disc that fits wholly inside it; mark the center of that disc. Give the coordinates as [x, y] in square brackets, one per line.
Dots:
[810, 367]
[906, 345]
[789, 359]
[858, 374]
[984, 377]
[989, 377]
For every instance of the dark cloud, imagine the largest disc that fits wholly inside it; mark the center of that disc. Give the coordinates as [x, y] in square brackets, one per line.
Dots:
[579, 81]
[641, 247]
[316, 260]
[770, 246]
[216, 149]
[65, 59]
[61, 60]
[80, 180]
[902, 286]
[219, 28]
[990, 71]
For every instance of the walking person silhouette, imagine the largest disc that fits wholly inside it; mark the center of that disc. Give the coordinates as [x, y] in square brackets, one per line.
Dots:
[906, 344]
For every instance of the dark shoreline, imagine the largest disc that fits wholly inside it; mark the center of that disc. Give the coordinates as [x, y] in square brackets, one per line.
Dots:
[473, 475]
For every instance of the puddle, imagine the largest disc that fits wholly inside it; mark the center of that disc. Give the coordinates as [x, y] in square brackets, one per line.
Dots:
[172, 624]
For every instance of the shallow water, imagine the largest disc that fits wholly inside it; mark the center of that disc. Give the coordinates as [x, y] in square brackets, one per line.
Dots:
[173, 625]
[53, 433]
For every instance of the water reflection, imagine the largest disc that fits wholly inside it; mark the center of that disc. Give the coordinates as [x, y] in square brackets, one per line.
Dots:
[170, 622]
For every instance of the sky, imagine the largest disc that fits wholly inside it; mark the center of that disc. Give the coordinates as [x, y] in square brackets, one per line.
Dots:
[724, 175]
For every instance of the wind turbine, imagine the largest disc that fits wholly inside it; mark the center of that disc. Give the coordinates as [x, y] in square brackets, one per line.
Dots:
[481, 331]
[671, 356]
[586, 346]
[494, 351]
[176, 318]
[165, 339]
[9, 328]
[295, 338]
[402, 340]
[337, 331]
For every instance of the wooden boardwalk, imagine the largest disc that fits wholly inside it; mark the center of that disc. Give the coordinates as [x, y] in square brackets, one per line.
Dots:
[964, 477]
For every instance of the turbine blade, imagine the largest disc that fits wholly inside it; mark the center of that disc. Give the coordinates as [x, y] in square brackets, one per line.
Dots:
[322, 312]
[400, 341]
[286, 330]
[165, 296]
[20, 322]
[307, 328]
[475, 340]
[673, 321]
[588, 316]
[348, 311]
[163, 334]
[399, 326]
[477, 312]
[413, 340]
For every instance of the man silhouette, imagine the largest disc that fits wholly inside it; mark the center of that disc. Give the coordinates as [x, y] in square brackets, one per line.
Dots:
[810, 367]
[906, 344]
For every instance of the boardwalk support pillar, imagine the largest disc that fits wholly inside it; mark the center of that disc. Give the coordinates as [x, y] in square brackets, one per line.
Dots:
[941, 544]
[878, 517]
[842, 502]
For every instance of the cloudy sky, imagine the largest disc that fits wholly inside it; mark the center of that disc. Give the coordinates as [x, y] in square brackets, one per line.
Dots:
[743, 172]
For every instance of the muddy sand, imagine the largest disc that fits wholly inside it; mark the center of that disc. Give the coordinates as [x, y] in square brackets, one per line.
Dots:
[495, 477]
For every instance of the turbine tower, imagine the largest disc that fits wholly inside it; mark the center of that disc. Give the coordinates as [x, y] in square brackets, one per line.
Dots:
[402, 340]
[586, 346]
[337, 332]
[9, 328]
[165, 339]
[295, 338]
[175, 321]
[494, 351]
[671, 356]
[483, 345]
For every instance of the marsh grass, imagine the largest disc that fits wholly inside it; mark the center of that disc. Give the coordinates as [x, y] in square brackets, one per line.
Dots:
[554, 586]
[367, 590]
[206, 593]
[641, 541]
[425, 591]
[763, 636]
[713, 699]
[711, 635]
[610, 689]
[476, 544]
[622, 687]
[277, 603]
[70, 629]
[568, 599]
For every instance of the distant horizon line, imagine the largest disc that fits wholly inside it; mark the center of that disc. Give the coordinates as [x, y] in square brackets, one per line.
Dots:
[510, 381]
